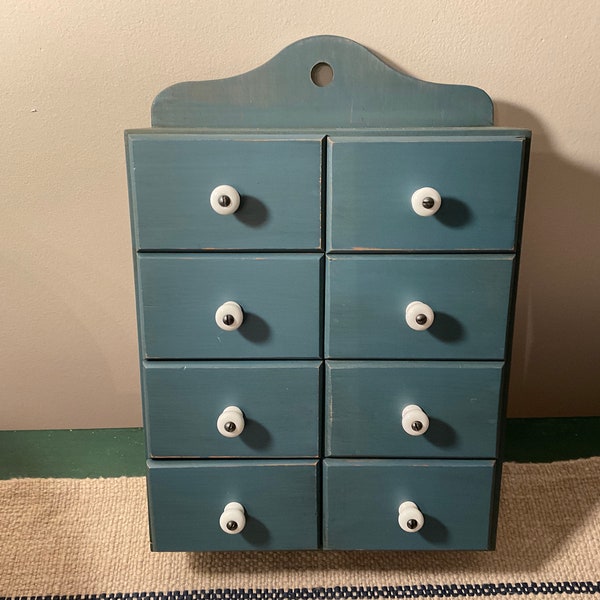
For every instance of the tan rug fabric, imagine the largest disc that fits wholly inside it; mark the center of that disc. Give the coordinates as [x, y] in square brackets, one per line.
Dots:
[90, 536]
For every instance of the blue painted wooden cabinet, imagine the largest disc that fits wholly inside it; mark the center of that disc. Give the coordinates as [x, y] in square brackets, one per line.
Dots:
[325, 279]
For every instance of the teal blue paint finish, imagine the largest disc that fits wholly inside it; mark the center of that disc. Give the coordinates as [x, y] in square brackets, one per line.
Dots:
[186, 499]
[281, 402]
[366, 298]
[361, 500]
[364, 402]
[278, 179]
[263, 132]
[280, 295]
[364, 92]
[371, 181]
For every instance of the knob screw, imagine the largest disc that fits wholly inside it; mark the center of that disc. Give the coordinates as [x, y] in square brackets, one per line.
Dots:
[421, 319]
[231, 423]
[228, 320]
[416, 426]
[411, 524]
[426, 201]
[232, 525]
[224, 200]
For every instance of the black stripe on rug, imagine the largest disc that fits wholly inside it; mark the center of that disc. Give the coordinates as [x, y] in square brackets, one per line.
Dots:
[343, 593]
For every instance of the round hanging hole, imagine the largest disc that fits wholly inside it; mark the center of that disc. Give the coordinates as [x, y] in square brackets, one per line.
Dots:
[321, 74]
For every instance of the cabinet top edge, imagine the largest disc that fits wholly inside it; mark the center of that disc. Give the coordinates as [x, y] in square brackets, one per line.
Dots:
[321, 133]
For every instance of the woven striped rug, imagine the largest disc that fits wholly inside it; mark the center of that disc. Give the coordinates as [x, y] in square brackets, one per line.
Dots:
[88, 538]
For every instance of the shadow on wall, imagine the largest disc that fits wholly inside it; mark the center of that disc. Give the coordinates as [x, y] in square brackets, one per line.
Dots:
[556, 344]
[556, 348]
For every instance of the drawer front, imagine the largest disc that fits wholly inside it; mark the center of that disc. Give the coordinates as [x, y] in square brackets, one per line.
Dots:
[454, 497]
[172, 178]
[371, 183]
[278, 294]
[279, 401]
[367, 296]
[366, 401]
[187, 499]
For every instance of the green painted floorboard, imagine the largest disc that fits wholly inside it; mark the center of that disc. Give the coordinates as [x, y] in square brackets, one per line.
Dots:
[546, 440]
[78, 453]
[75, 453]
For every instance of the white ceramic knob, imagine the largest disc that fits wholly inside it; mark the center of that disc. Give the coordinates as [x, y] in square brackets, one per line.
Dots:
[410, 518]
[426, 201]
[225, 200]
[233, 519]
[229, 316]
[419, 316]
[231, 422]
[414, 420]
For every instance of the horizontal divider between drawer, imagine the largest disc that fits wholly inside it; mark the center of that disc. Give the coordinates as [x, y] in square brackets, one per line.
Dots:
[361, 457]
[242, 458]
[319, 358]
[333, 251]
[229, 251]
[404, 457]
[377, 251]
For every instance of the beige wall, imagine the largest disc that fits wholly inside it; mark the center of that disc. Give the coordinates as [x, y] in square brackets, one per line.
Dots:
[76, 73]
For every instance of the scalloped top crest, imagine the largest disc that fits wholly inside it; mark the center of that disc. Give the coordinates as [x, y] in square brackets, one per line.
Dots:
[322, 82]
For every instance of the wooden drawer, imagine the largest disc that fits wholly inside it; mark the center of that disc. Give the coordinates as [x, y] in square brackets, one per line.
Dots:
[280, 404]
[280, 295]
[362, 498]
[366, 401]
[172, 177]
[371, 182]
[367, 297]
[187, 499]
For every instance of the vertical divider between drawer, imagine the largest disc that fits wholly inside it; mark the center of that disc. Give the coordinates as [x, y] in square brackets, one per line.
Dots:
[324, 226]
[322, 324]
